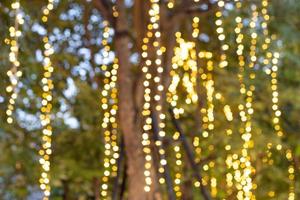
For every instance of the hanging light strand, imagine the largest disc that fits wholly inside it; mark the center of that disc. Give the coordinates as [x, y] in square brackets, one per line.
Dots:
[208, 83]
[146, 112]
[178, 62]
[208, 115]
[158, 84]
[46, 108]
[110, 108]
[221, 35]
[178, 168]
[243, 176]
[227, 146]
[14, 73]
[273, 59]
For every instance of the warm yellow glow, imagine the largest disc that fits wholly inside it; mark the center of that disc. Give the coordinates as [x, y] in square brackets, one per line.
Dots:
[46, 108]
[109, 109]
[153, 34]
[14, 73]
[221, 35]
[271, 60]
[242, 167]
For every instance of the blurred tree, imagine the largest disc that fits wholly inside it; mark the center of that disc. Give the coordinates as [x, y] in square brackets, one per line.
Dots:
[75, 29]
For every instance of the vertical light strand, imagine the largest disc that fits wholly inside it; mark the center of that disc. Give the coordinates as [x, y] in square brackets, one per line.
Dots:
[14, 73]
[243, 177]
[221, 35]
[158, 84]
[109, 108]
[291, 173]
[208, 83]
[146, 112]
[106, 113]
[208, 114]
[276, 124]
[178, 163]
[195, 25]
[46, 108]
[172, 99]
[228, 131]
[273, 72]
[247, 136]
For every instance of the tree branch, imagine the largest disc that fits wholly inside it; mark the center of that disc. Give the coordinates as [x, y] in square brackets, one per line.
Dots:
[190, 156]
[167, 175]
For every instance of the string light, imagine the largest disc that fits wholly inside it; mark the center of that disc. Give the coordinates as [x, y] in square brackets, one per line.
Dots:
[45, 116]
[291, 172]
[158, 83]
[179, 61]
[178, 168]
[195, 25]
[14, 73]
[147, 115]
[153, 31]
[110, 108]
[229, 161]
[272, 59]
[221, 36]
[184, 58]
[208, 83]
[208, 113]
[171, 4]
[243, 177]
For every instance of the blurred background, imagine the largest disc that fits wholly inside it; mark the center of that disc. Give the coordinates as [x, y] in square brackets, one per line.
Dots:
[75, 29]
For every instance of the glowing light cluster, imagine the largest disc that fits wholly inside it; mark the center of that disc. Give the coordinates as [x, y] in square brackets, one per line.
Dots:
[184, 71]
[206, 74]
[46, 108]
[221, 35]
[185, 58]
[245, 184]
[229, 158]
[208, 83]
[14, 73]
[109, 107]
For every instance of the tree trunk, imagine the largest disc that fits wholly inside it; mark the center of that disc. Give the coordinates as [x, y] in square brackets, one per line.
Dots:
[127, 113]
[96, 186]
[65, 184]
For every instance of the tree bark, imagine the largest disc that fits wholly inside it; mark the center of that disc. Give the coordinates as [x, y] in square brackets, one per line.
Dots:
[96, 186]
[65, 184]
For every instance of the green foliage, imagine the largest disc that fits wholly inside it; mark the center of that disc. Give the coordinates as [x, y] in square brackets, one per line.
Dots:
[78, 144]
